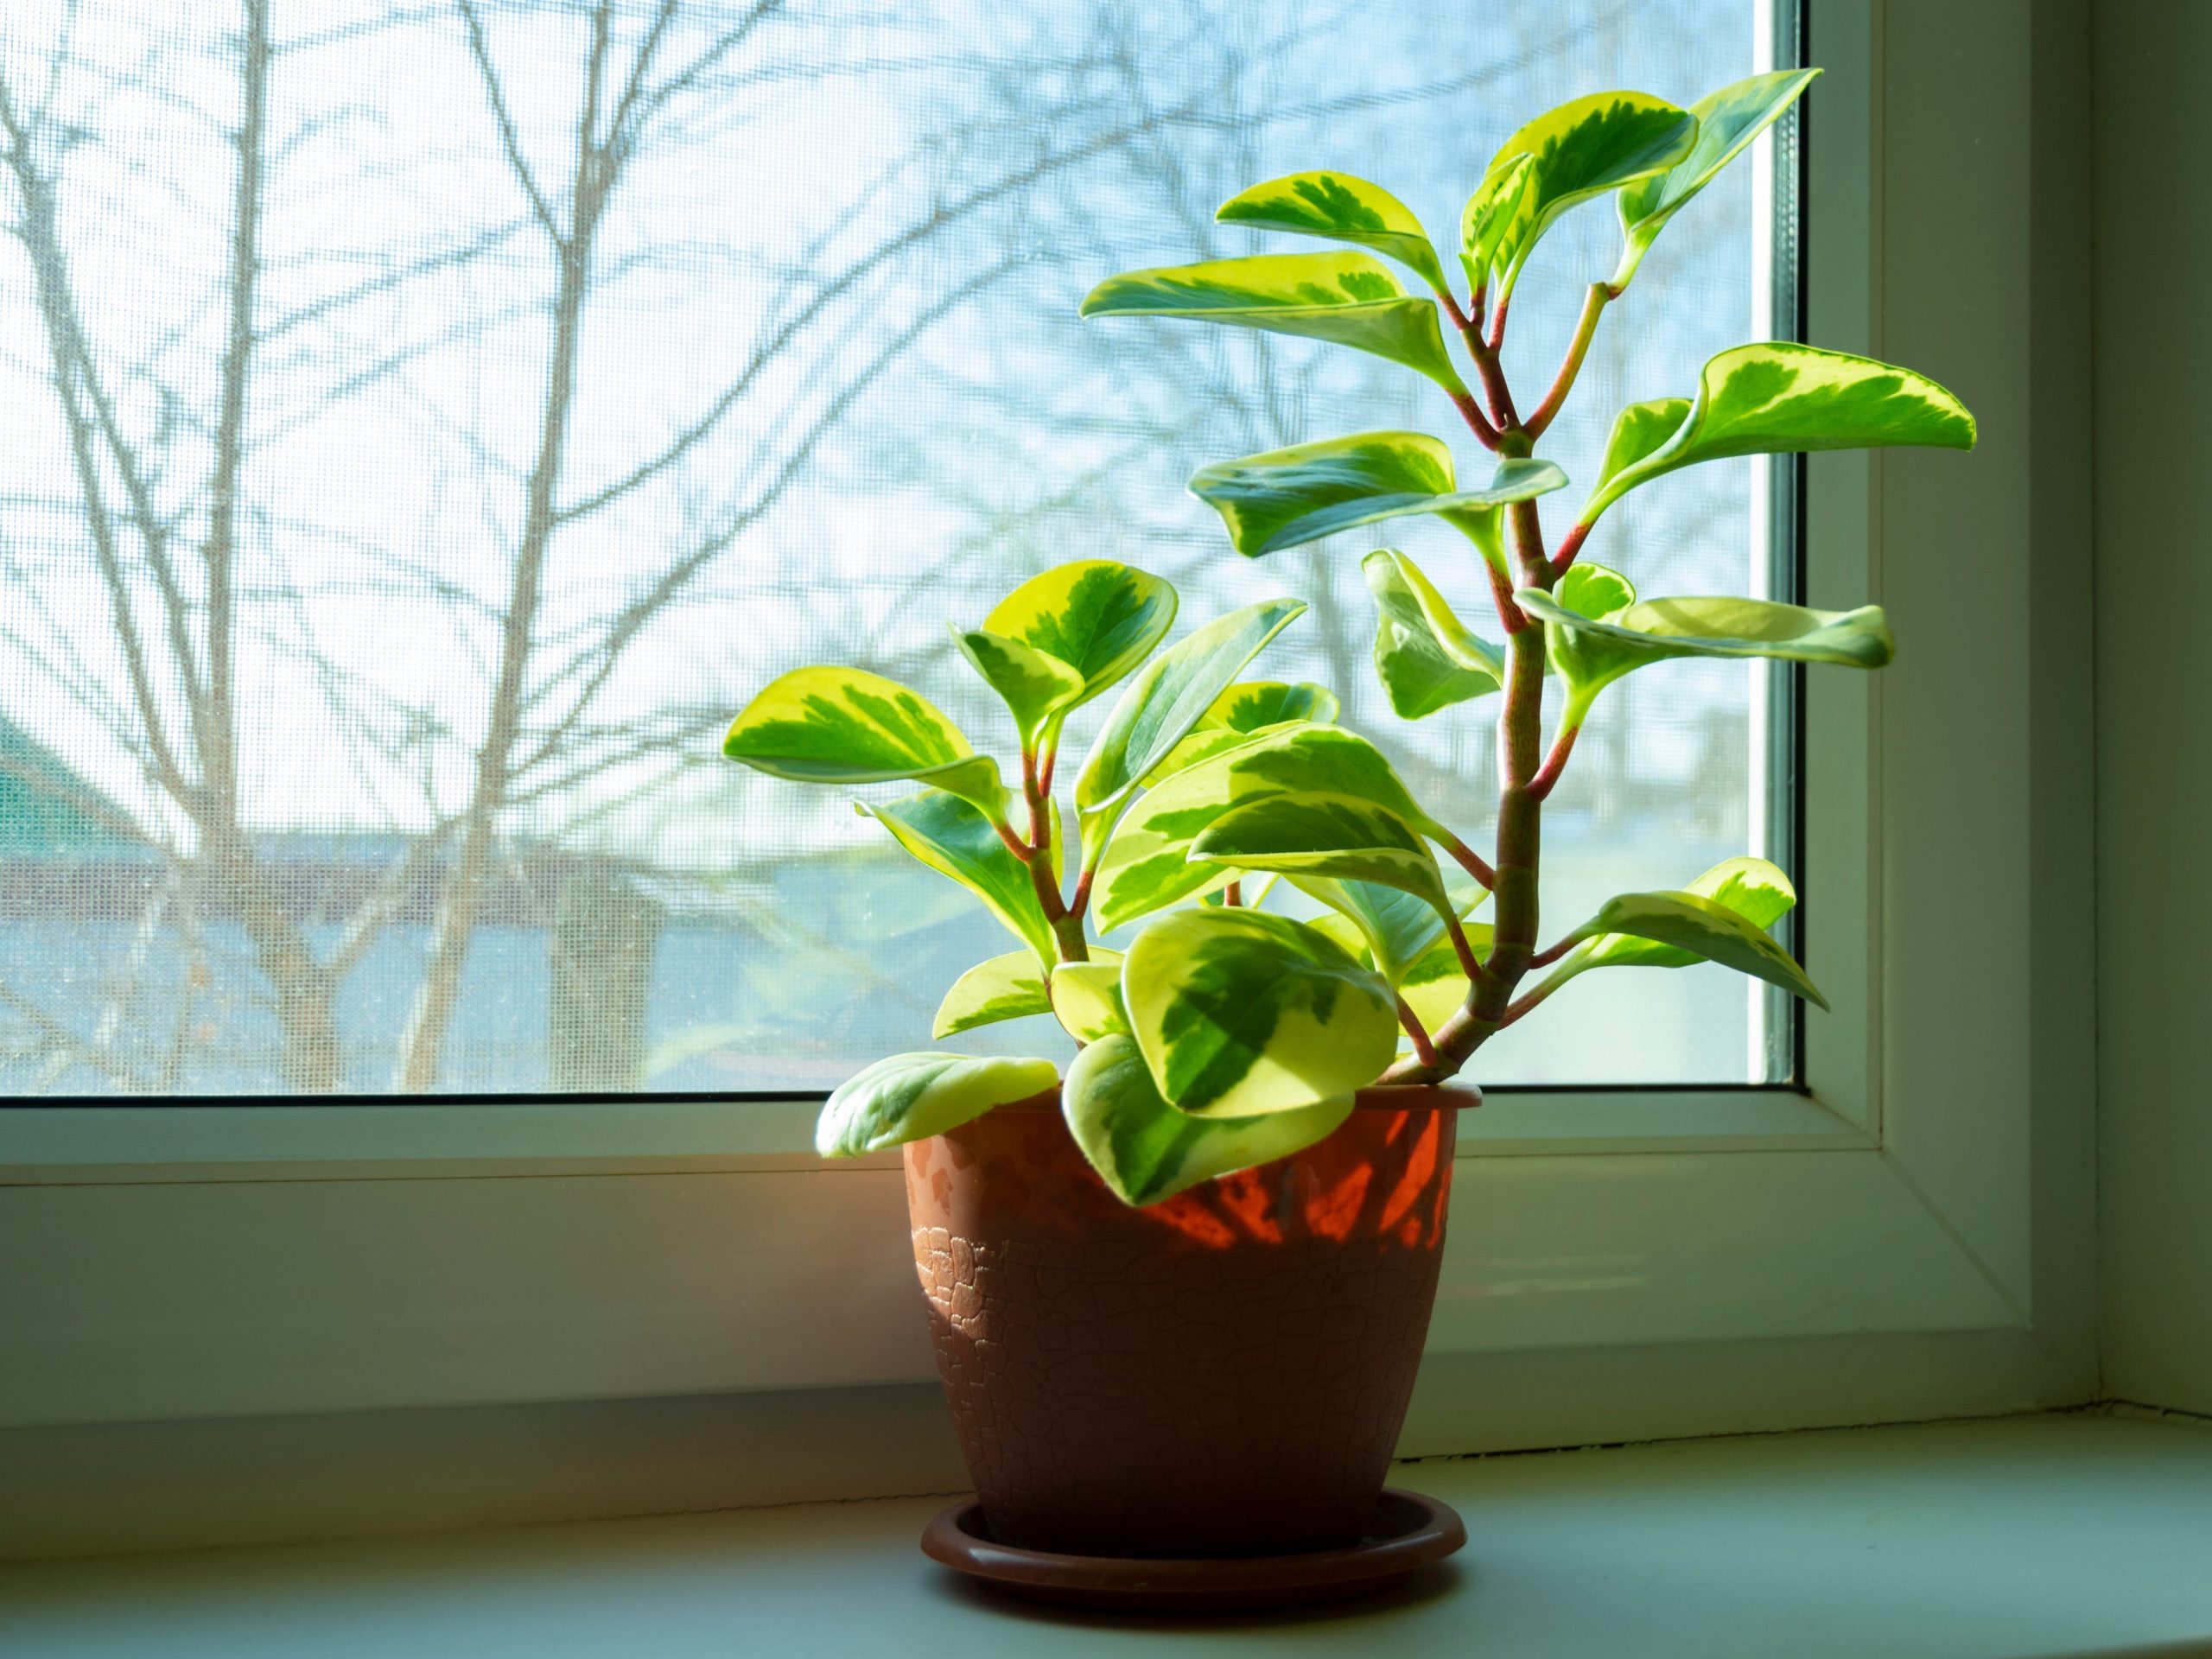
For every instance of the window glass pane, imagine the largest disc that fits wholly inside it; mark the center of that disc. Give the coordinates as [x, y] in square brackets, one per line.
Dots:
[370, 624]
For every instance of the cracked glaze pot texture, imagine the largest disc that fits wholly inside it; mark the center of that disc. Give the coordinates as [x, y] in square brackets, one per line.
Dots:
[1223, 1373]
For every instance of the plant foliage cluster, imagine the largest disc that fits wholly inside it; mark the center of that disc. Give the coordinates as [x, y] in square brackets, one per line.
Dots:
[1228, 1034]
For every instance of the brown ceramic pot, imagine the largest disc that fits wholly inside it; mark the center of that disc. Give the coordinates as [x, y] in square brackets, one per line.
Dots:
[1225, 1372]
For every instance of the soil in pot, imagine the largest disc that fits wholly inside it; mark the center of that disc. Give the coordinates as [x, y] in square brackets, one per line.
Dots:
[1222, 1374]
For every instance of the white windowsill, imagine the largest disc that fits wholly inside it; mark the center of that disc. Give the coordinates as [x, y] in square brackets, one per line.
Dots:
[2028, 1536]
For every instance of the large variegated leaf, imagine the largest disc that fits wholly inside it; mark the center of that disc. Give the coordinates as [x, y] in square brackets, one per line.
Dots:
[1581, 150]
[1159, 708]
[1346, 837]
[912, 1096]
[1034, 686]
[1436, 986]
[1255, 705]
[1426, 658]
[1325, 760]
[1287, 498]
[1087, 996]
[1004, 988]
[1099, 617]
[1783, 398]
[846, 725]
[1592, 654]
[1705, 928]
[1240, 1012]
[1205, 744]
[1580, 655]
[1249, 709]
[1342, 209]
[1347, 297]
[1147, 866]
[1638, 429]
[1727, 121]
[1497, 217]
[951, 836]
[1146, 1150]
[1390, 927]
[1753, 888]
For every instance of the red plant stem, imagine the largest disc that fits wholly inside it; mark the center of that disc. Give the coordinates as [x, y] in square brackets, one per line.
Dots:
[1015, 844]
[1469, 964]
[1040, 832]
[1066, 922]
[1569, 546]
[1586, 325]
[1492, 375]
[1510, 616]
[1520, 823]
[1470, 861]
[1233, 893]
[1497, 325]
[1551, 954]
[1555, 762]
[1465, 402]
[1424, 1050]
[1530, 1001]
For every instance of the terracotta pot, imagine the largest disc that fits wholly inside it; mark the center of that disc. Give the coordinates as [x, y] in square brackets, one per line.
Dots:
[1225, 1372]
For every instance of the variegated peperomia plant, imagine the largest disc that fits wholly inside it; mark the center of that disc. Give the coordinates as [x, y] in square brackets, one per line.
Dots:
[1229, 1034]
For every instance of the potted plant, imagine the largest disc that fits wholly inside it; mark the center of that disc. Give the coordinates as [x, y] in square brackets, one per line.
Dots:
[1180, 1293]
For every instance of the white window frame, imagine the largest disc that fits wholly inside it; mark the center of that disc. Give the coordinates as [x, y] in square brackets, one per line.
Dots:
[1914, 1236]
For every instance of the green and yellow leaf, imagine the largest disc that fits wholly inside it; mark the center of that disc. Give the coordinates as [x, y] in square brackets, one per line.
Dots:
[1342, 209]
[1783, 399]
[846, 725]
[1581, 150]
[1388, 927]
[1728, 122]
[1258, 705]
[1147, 864]
[1436, 986]
[1592, 654]
[1248, 710]
[1157, 709]
[1704, 928]
[1146, 1150]
[1638, 430]
[1581, 657]
[1087, 996]
[912, 1097]
[1345, 837]
[1325, 760]
[1099, 617]
[949, 836]
[1752, 888]
[1004, 988]
[1426, 658]
[1287, 498]
[1241, 1012]
[1497, 217]
[1347, 297]
[1035, 687]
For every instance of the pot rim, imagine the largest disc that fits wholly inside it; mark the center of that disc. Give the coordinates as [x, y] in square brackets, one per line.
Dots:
[1451, 1095]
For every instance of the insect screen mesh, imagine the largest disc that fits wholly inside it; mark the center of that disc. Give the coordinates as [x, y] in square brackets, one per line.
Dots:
[426, 422]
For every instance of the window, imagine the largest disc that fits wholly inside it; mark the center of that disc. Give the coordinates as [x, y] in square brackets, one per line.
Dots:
[1907, 1235]
[377, 600]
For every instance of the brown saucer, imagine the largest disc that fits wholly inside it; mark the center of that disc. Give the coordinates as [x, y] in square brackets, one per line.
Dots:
[1407, 1531]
